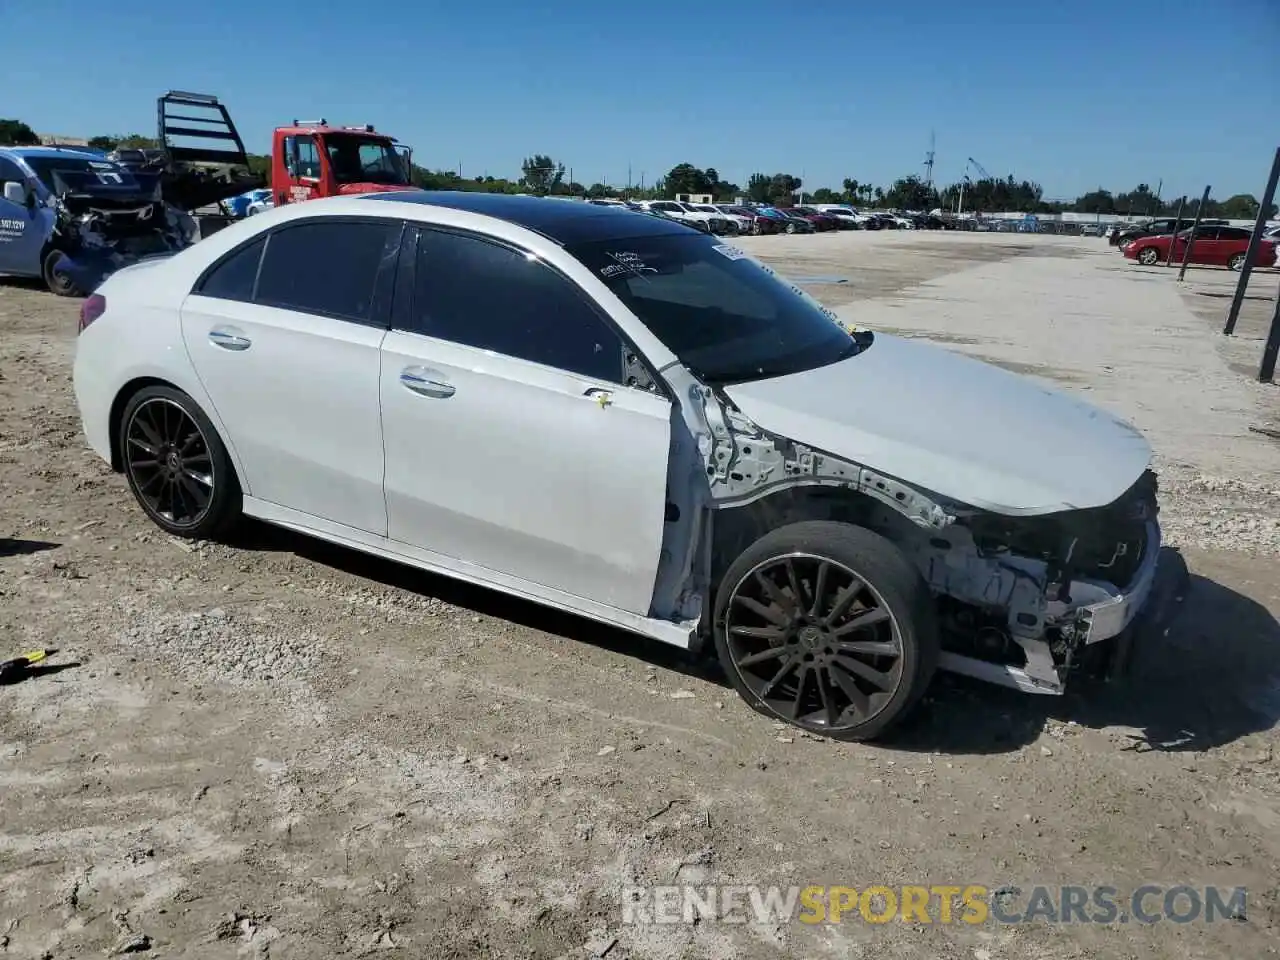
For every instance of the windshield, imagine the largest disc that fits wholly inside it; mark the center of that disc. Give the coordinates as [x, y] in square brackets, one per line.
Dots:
[357, 159]
[727, 318]
[79, 171]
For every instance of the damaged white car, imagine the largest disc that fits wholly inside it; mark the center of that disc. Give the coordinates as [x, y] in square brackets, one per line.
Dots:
[624, 418]
[72, 217]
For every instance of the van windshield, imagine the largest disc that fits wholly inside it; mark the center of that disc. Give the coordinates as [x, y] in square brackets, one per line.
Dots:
[727, 317]
[79, 171]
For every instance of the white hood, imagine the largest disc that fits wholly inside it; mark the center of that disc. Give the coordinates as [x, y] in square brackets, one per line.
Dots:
[954, 425]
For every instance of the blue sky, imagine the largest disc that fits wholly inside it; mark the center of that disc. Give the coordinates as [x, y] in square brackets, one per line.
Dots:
[1071, 93]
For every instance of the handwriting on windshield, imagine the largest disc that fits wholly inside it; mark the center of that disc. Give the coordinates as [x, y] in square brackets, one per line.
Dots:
[625, 262]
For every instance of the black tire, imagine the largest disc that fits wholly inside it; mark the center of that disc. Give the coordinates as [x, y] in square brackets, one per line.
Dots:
[791, 228]
[807, 664]
[189, 458]
[1236, 262]
[59, 284]
[1148, 256]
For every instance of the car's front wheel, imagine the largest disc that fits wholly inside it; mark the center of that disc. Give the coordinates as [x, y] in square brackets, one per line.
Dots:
[828, 627]
[176, 465]
[1236, 262]
[57, 280]
[1148, 256]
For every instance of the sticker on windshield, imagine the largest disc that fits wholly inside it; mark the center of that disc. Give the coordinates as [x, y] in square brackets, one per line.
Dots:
[625, 262]
[733, 253]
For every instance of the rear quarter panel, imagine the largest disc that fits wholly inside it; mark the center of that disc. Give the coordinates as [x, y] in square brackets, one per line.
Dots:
[139, 337]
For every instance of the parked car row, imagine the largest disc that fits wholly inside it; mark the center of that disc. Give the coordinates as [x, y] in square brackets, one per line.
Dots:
[756, 219]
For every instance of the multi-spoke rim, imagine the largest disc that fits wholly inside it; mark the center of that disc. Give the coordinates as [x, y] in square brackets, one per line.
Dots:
[168, 459]
[1149, 255]
[814, 641]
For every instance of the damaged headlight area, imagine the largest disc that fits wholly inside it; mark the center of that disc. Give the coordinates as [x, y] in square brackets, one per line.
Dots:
[1021, 598]
[98, 235]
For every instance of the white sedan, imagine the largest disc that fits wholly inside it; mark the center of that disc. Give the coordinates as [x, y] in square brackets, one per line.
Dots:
[624, 418]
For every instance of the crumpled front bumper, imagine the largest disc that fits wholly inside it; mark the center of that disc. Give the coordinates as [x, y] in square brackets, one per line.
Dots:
[1140, 613]
[1106, 612]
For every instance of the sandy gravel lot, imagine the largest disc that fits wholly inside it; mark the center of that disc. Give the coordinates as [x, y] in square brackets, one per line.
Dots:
[282, 749]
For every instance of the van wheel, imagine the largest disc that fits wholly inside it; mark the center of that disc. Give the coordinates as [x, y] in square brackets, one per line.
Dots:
[827, 627]
[56, 280]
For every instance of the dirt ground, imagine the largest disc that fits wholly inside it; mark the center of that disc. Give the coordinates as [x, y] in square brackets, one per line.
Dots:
[284, 749]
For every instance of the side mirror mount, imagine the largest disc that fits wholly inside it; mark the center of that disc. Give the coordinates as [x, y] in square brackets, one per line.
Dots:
[15, 192]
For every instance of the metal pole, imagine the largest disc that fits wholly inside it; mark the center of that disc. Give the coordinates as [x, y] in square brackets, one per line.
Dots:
[1177, 221]
[1191, 240]
[1254, 242]
[1267, 372]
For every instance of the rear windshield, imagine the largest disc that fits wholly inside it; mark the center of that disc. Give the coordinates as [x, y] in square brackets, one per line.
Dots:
[727, 317]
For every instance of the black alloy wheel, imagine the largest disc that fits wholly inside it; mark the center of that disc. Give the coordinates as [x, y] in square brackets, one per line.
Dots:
[177, 467]
[833, 633]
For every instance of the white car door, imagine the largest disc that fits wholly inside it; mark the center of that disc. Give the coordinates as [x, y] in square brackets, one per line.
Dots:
[512, 442]
[288, 352]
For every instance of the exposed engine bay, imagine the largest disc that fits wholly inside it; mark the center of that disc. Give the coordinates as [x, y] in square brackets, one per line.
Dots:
[1019, 599]
[101, 227]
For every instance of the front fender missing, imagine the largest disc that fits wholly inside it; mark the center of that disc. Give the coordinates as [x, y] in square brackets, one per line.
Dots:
[749, 463]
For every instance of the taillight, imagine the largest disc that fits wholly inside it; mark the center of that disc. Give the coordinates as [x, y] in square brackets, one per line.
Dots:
[93, 307]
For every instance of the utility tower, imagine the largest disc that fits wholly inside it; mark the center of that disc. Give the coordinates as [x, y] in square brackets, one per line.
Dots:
[928, 162]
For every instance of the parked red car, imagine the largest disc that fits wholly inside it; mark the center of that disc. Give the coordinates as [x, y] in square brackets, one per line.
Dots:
[820, 220]
[1214, 246]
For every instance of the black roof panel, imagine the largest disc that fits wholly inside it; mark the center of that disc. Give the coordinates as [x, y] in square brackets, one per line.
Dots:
[567, 222]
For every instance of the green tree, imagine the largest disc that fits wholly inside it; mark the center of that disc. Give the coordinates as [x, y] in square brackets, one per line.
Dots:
[778, 188]
[1096, 201]
[103, 143]
[15, 133]
[825, 195]
[598, 191]
[137, 141]
[541, 174]
[911, 193]
[1243, 206]
[851, 191]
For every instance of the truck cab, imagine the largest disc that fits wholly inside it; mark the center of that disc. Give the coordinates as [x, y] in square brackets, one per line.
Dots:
[313, 159]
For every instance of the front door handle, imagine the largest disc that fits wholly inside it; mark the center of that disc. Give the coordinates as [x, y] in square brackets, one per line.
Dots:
[229, 338]
[424, 383]
[600, 395]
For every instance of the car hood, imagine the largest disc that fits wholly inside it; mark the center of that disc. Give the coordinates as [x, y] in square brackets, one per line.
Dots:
[956, 426]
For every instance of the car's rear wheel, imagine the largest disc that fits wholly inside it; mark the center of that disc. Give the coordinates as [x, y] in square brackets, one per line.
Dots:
[177, 466]
[1236, 262]
[58, 281]
[1148, 256]
[791, 228]
[828, 627]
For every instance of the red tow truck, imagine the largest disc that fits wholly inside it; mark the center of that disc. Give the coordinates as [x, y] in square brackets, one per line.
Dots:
[313, 159]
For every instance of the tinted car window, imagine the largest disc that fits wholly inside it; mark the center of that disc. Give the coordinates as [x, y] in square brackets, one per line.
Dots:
[1234, 233]
[325, 266]
[233, 278]
[10, 171]
[486, 295]
[727, 317]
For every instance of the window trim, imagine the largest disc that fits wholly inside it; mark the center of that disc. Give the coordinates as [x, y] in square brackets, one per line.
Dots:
[408, 277]
[383, 282]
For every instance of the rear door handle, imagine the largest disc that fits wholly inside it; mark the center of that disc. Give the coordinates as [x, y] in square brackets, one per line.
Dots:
[229, 338]
[424, 383]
